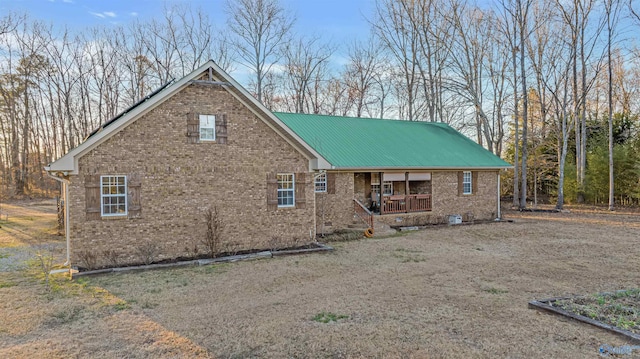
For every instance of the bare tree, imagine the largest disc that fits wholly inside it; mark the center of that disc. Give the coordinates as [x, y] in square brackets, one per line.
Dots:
[397, 32]
[510, 31]
[471, 44]
[522, 15]
[612, 11]
[9, 22]
[304, 61]
[260, 27]
[360, 74]
[552, 60]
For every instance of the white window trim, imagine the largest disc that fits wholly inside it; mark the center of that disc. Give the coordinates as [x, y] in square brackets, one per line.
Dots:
[375, 187]
[292, 190]
[102, 196]
[469, 182]
[389, 185]
[320, 180]
[200, 127]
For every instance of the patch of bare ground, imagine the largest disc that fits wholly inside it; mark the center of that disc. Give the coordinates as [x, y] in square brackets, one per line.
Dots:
[27, 222]
[454, 292]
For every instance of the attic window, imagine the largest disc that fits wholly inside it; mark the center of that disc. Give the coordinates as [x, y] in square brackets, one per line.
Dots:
[207, 128]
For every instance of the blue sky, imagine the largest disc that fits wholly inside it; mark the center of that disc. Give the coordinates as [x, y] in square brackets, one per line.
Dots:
[336, 20]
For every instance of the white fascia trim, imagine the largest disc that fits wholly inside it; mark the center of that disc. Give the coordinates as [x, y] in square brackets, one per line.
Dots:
[69, 162]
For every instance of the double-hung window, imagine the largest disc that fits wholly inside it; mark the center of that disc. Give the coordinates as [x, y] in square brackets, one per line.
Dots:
[321, 182]
[113, 196]
[466, 182]
[207, 128]
[286, 190]
[387, 188]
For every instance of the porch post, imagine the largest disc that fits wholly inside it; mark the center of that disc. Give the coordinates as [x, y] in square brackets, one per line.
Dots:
[381, 204]
[406, 192]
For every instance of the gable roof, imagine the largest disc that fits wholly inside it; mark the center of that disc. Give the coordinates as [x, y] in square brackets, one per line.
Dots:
[69, 162]
[361, 143]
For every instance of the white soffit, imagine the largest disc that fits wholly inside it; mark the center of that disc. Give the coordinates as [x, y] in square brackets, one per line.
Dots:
[386, 177]
[400, 176]
[419, 176]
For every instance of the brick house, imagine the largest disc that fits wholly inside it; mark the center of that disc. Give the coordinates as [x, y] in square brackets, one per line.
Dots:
[140, 184]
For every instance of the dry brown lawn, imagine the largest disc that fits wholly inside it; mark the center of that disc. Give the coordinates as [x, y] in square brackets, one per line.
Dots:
[453, 292]
[27, 223]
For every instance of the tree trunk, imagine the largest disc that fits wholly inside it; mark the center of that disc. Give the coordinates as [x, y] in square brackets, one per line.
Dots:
[525, 107]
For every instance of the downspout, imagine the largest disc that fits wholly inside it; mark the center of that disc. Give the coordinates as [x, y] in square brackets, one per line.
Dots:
[498, 197]
[315, 206]
[65, 186]
[314, 237]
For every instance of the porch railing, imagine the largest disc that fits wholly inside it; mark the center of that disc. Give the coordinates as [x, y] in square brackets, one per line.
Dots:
[363, 213]
[405, 203]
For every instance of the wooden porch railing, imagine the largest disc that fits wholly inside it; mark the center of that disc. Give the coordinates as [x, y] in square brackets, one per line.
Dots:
[363, 213]
[405, 204]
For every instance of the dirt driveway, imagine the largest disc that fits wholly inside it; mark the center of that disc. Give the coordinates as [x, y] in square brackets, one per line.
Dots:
[452, 292]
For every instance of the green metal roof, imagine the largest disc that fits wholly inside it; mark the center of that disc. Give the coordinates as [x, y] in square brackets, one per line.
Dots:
[350, 142]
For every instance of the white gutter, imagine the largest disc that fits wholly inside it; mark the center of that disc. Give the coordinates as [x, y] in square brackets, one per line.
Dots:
[65, 186]
[409, 169]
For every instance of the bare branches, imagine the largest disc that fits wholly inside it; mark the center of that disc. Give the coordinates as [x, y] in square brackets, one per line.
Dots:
[260, 27]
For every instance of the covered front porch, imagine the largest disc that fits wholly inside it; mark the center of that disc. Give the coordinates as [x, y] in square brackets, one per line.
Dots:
[393, 192]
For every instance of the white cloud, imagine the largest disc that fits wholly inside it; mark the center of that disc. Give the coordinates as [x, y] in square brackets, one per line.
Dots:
[68, 1]
[104, 14]
[133, 13]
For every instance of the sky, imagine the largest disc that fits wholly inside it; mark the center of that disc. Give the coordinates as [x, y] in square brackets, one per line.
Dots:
[336, 20]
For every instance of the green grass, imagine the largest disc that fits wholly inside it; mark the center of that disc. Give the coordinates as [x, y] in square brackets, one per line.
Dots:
[215, 268]
[493, 290]
[620, 309]
[327, 317]
[67, 315]
[7, 284]
[121, 305]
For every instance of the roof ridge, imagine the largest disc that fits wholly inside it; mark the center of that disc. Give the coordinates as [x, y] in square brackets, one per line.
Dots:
[439, 123]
